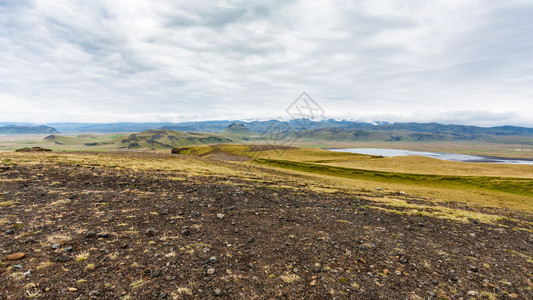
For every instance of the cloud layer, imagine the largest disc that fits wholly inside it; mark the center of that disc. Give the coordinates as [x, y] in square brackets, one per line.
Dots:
[454, 61]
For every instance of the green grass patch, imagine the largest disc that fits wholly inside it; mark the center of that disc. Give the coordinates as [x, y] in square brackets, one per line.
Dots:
[519, 186]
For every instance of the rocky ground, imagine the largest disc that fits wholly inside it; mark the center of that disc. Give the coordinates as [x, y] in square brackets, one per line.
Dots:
[88, 232]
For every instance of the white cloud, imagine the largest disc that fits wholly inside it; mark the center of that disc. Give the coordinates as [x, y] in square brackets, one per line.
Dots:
[180, 60]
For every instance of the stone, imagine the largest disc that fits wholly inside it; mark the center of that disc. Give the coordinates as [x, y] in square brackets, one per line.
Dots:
[16, 256]
[220, 216]
[10, 231]
[63, 258]
[212, 259]
[68, 249]
[90, 234]
[218, 292]
[210, 271]
[18, 266]
[150, 231]
[56, 246]
[472, 293]
[312, 283]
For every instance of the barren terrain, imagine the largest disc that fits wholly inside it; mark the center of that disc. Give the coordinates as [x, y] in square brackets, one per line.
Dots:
[76, 227]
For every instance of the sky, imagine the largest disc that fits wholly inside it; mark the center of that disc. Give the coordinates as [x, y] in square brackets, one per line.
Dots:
[449, 61]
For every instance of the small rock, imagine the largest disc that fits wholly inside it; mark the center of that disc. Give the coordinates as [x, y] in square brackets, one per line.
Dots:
[402, 193]
[513, 296]
[63, 258]
[220, 216]
[421, 224]
[212, 259]
[94, 293]
[56, 246]
[474, 269]
[47, 289]
[186, 232]
[10, 231]
[16, 256]
[472, 293]
[18, 266]
[68, 249]
[72, 289]
[90, 234]
[362, 247]
[150, 231]
[104, 235]
[210, 271]
[251, 240]
[386, 271]
[379, 189]
[453, 277]
[218, 292]
[403, 260]
[312, 283]
[27, 273]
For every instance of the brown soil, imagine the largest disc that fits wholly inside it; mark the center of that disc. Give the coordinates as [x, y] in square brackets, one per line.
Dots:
[146, 235]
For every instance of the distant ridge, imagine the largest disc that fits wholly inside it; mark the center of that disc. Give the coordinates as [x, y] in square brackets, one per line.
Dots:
[238, 128]
[466, 131]
[27, 129]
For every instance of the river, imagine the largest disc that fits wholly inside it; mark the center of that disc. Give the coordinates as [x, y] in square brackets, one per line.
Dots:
[439, 155]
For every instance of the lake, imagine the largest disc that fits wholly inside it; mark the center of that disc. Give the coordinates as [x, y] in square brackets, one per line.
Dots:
[439, 155]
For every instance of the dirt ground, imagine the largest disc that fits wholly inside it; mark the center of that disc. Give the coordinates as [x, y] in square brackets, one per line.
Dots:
[89, 232]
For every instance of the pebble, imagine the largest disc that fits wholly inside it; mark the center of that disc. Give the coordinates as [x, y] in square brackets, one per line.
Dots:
[94, 293]
[312, 283]
[27, 273]
[220, 216]
[421, 224]
[472, 293]
[56, 246]
[63, 258]
[212, 259]
[474, 269]
[218, 292]
[10, 231]
[16, 256]
[150, 231]
[402, 193]
[90, 234]
[19, 266]
[210, 271]
[403, 260]
[251, 240]
[72, 289]
[362, 247]
[68, 249]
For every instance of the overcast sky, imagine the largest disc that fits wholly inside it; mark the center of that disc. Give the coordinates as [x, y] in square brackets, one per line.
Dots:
[451, 61]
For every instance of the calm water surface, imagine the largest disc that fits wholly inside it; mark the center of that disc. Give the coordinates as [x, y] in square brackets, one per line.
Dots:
[444, 156]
